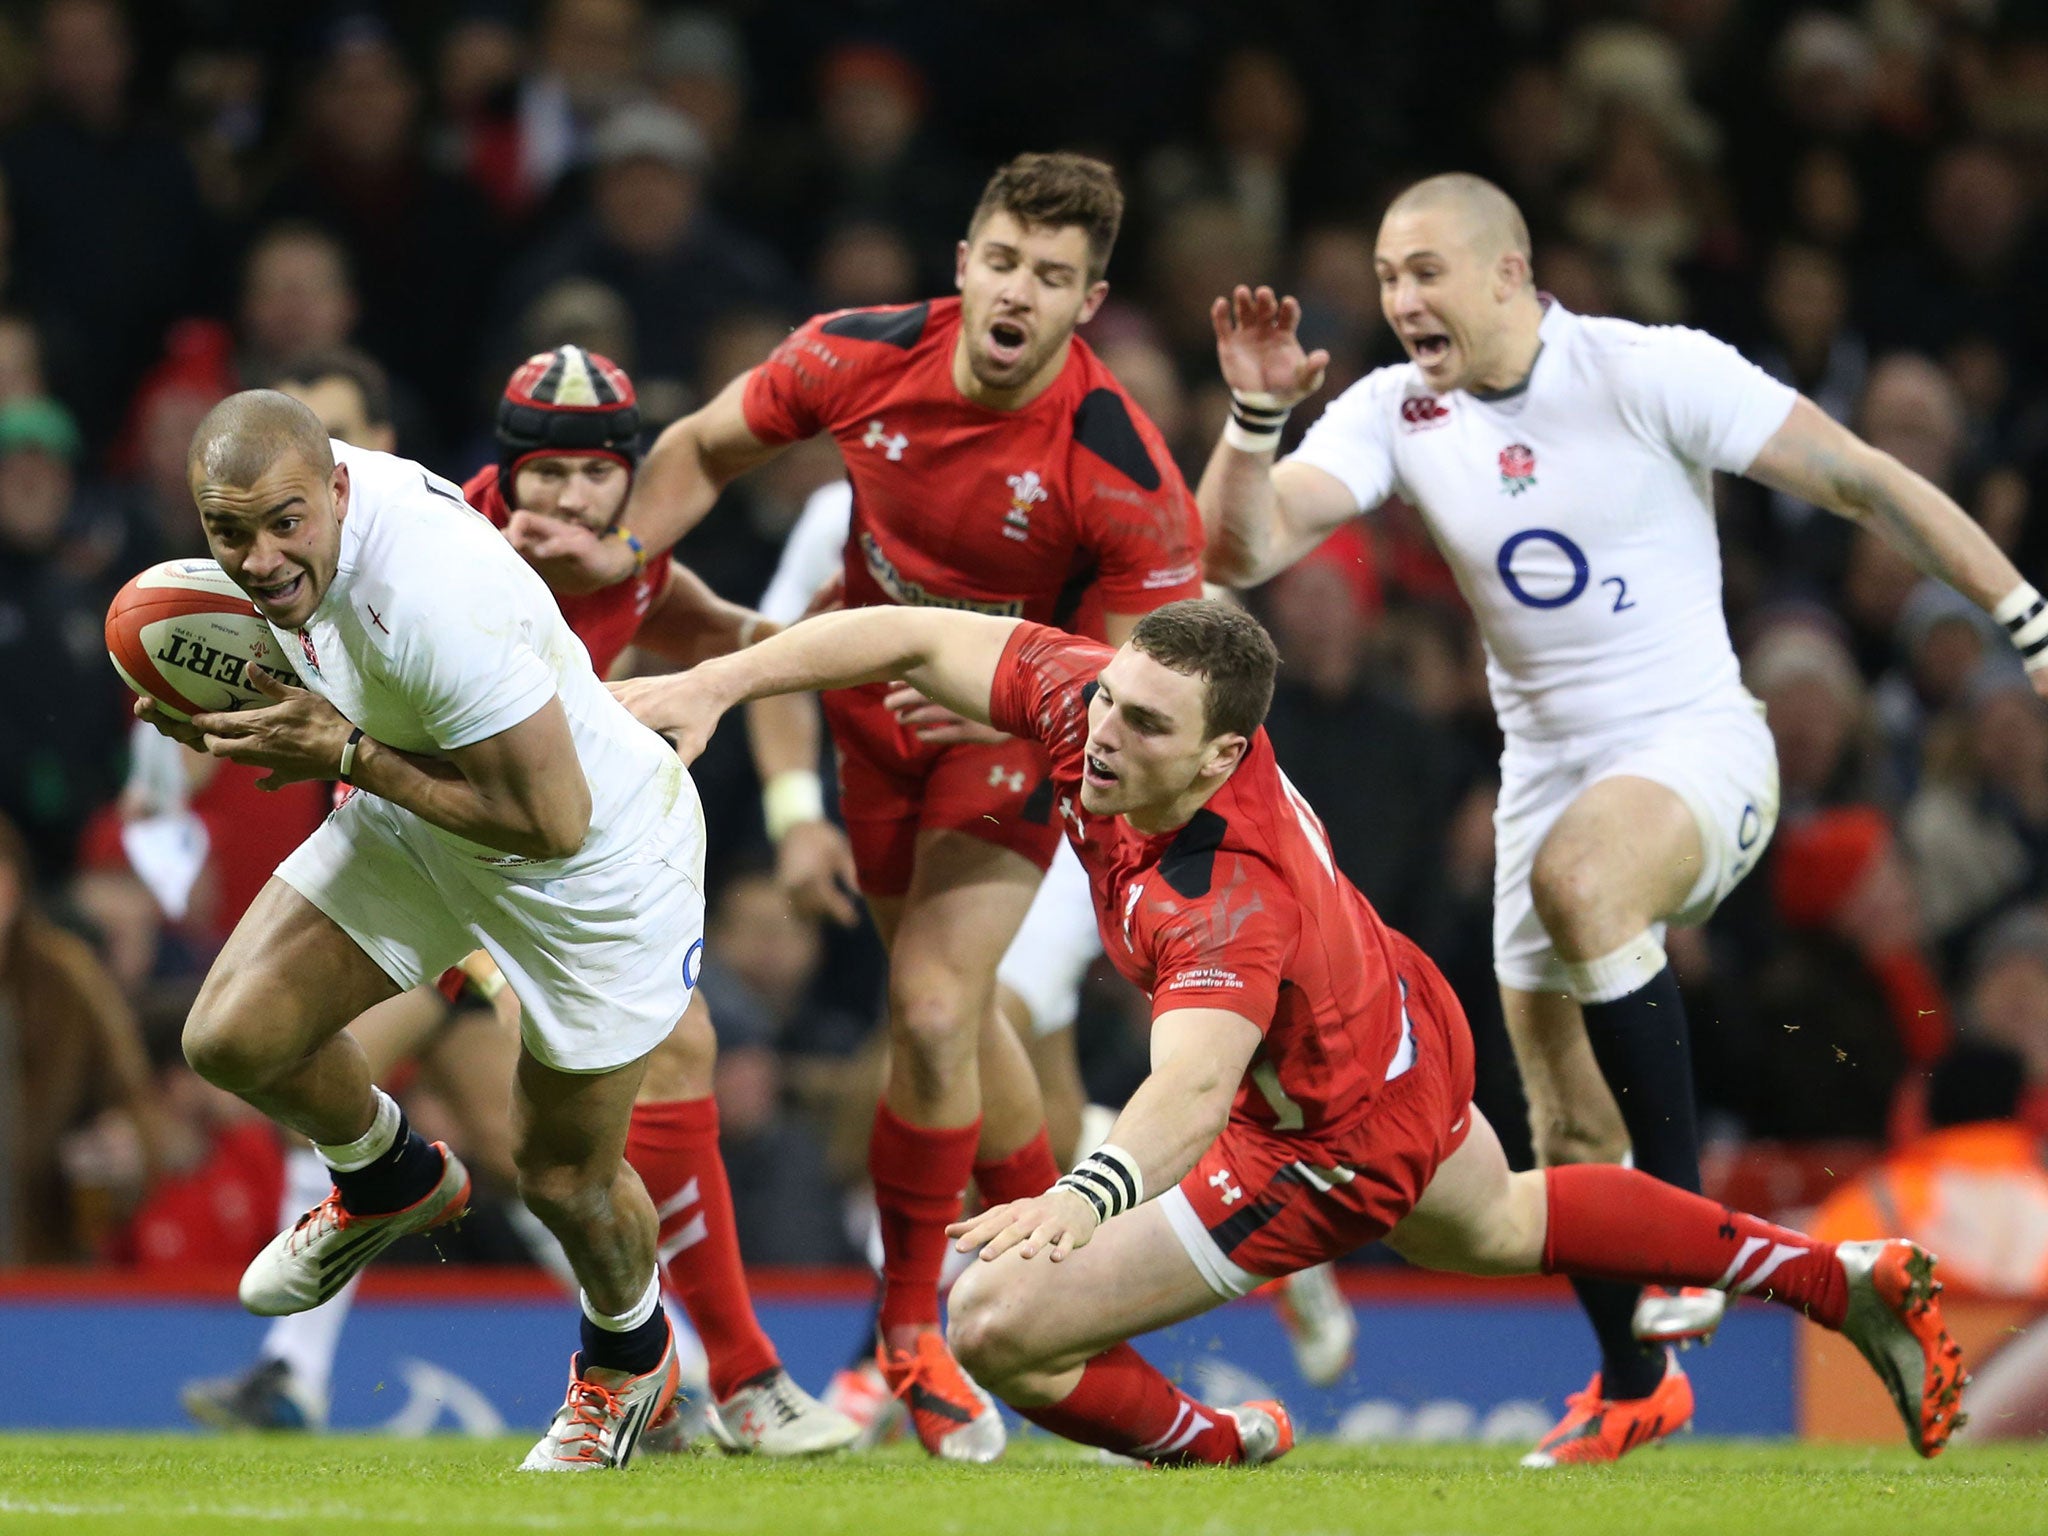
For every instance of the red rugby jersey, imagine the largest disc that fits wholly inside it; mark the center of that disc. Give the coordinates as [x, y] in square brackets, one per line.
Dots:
[605, 620]
[956, 505]
[1242, 909]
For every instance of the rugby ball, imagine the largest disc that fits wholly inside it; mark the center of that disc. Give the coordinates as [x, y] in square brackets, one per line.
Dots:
[182, 633]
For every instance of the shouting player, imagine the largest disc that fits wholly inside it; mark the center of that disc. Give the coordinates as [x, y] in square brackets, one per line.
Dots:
[997, 467]
[1311, 1083]
[1564, 466]
[504, 802]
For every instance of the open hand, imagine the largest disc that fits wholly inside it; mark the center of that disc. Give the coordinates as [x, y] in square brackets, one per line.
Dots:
[676, 705]
[1258, 349]
[1058, 1221]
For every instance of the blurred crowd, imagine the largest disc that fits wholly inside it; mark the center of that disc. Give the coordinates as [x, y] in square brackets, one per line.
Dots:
[199, 195]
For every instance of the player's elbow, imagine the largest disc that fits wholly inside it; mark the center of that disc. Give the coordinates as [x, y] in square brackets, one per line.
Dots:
[559, 825]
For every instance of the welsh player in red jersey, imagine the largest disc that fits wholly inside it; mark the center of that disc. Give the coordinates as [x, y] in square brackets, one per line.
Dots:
[568, 429]
[997, 467]
[1311, 1069]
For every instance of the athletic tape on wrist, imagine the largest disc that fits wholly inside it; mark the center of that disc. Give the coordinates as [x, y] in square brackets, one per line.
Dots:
[1108, 1179]
[1256, 421]
[2024, 613]
[790, 798]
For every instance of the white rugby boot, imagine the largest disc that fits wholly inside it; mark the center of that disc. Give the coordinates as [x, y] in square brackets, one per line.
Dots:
[307, 1263]
[599, 1424]
[773, 1416]
[1684, 1317]
[1320, 1324]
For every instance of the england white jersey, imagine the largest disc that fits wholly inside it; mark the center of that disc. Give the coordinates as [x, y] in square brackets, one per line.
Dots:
[436, 635]
[1576, 511]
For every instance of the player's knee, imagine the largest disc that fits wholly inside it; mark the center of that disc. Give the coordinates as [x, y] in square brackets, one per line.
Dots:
[226, 1052]
[987, 1328]
[1569, 896]
[934, 1016]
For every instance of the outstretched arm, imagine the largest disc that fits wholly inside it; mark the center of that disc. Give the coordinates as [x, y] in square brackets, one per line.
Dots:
[948, 656]
[1199, 1057]
[1260, 518]
[1817, 459]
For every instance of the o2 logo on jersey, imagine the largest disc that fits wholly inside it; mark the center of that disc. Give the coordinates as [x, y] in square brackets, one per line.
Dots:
[1581, 572]
[1517, 468]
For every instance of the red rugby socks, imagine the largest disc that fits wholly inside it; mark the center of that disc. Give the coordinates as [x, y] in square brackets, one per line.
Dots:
[674, 1149]
[920, 1174]
[1609, 1223]
[1124, 1405]
[1028, 1171]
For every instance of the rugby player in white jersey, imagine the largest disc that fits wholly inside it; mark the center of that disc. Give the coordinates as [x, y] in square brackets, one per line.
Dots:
[506, 803]
[1564, 466]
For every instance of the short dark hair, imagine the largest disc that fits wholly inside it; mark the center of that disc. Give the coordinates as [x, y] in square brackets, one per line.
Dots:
[1055, 191]
[359, 368]
[1224, 646]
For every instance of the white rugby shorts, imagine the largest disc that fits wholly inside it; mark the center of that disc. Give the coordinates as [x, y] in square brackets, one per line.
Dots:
[1056, 943]
[1718, 758]
[603, 961]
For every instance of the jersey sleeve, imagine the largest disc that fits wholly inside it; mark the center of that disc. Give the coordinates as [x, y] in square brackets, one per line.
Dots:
[473, 670]
[1041, 686]
[1228, 949]
[1708, 402]
[811, 554]
[1353, 440]
[799, 390]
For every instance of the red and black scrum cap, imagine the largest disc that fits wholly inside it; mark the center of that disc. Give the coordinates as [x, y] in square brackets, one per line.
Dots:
[568, 401]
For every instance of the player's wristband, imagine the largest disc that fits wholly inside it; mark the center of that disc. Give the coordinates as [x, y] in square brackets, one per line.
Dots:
[791, 798]
[348, 756]
[1256, 421]
[632, 542]
[2024, 613]
[1108, 1179]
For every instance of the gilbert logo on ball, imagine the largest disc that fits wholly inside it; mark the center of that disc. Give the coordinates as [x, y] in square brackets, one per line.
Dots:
[183, 634]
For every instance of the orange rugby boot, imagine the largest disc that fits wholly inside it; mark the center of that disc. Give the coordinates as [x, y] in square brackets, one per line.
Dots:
[1895, 1320]
[955, 1420]
[1596, 1428]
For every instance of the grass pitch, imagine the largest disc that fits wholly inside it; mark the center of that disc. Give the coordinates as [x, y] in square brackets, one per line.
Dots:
[342, 1486]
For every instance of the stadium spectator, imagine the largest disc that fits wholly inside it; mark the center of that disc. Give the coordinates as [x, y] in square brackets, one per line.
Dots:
[422, 245]
[1973, 1187]
[110, 238]
[1820, 716]
[2006, 1000]
[1978, 830]
[649, 235]
[59, 756]
[73, 1047]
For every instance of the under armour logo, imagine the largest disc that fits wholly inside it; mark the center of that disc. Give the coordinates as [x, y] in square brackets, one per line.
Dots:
[1072, 816]
[879, 436]
[1220, 1179]
[1001, 778]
